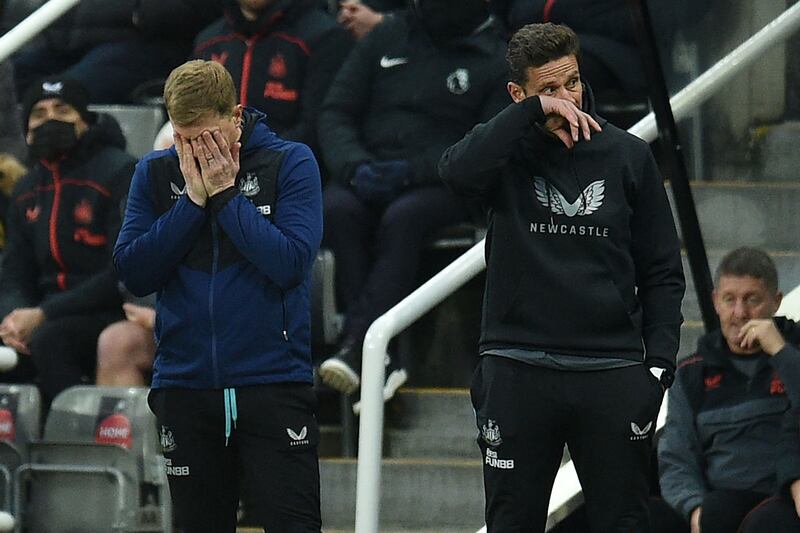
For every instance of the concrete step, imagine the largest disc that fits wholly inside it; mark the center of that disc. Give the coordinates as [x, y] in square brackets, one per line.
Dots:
[691, 331]
[758, 214]
[437, 495]
[435, 423]
[786, 261]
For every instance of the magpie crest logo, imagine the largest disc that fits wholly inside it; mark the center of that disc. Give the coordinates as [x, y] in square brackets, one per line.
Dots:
[249, 185]
[298, 439]
[640, 433]
[589, 201]
[458, 81]
[491, 433]
[167, 440]
[176, 191]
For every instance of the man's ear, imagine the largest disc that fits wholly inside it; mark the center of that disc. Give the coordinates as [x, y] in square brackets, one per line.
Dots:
[778, 300]
[516, 91]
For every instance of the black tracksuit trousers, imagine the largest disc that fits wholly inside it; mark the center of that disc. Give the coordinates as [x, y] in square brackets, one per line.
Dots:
[525, 415]
[269, 462]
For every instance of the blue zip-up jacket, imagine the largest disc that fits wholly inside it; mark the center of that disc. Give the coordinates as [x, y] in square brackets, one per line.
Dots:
[231, 279]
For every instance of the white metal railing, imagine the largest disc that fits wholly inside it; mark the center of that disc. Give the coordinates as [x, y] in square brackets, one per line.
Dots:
[439, 287]
[33, 25]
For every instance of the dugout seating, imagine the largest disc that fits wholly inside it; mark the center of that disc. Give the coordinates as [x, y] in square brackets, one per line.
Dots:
[98, 467]
[139, 123]
[20, 408]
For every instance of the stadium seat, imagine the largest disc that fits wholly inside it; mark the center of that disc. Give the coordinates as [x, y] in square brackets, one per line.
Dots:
[139, 123]
[20, 408]
[326, 323]
[100, 455]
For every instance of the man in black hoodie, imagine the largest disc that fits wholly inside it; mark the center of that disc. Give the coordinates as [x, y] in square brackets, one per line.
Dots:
[58, 289]
[410, 89]
[581, 314]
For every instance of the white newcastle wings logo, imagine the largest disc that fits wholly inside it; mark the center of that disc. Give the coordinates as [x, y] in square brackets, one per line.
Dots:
[640, 433]
[176, 191]
[587, 202]
[298, 438]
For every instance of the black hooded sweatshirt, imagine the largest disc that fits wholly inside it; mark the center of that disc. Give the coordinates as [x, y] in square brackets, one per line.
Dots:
[62, 224]
[582, 253]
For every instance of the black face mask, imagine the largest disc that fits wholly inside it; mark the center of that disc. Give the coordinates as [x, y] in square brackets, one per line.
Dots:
[53, 139]
[448, 20]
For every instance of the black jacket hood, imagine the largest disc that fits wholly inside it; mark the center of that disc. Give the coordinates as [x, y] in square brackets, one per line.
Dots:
[280, 11]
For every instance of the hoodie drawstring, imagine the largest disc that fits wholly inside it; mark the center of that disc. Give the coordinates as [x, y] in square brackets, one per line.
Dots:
[230, 411]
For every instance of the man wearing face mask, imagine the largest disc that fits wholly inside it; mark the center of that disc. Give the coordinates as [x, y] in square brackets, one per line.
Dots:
[416, 84]
[58, 289]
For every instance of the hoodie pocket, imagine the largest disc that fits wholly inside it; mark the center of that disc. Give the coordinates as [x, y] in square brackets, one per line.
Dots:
[575, 314]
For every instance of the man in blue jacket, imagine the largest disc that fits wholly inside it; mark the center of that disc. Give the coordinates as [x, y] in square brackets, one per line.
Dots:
[224, 227]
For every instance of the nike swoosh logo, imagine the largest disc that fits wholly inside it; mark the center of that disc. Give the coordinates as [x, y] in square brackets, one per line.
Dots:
[389, 62]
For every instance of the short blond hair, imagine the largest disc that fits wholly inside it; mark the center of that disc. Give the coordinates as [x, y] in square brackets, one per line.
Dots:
[197, 89]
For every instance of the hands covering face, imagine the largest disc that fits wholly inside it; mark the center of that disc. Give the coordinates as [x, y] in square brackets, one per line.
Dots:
[208, 164]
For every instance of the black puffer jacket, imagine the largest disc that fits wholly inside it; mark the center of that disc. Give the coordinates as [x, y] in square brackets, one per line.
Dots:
[62, 224]
[398, 96]
[283, 63]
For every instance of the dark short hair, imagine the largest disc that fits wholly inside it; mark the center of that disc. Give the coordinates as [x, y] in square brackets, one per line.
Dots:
[751, 262]
[536, 44]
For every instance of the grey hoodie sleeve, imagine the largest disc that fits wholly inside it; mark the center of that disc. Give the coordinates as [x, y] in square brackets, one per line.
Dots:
[680, 460]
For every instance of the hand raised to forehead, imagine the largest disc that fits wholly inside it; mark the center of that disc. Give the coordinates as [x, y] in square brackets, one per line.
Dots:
[190, 169]
[219, 163]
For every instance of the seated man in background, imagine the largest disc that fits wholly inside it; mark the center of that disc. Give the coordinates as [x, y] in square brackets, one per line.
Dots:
[58, 289]
[282, 55]
[114, 47]
[730, 452]
[360, 17]
[414, 86]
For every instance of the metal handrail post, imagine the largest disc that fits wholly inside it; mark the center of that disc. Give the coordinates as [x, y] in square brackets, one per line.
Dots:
[370, 438]
[33, 25]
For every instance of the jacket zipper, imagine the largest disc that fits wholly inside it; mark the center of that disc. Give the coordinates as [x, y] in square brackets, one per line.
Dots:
[214, 266]
[283, 308]
[55, 250]
[246, 64]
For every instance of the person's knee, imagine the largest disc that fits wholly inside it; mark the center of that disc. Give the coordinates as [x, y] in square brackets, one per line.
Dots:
[119, 346]
[339, 203]
[776, 515]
